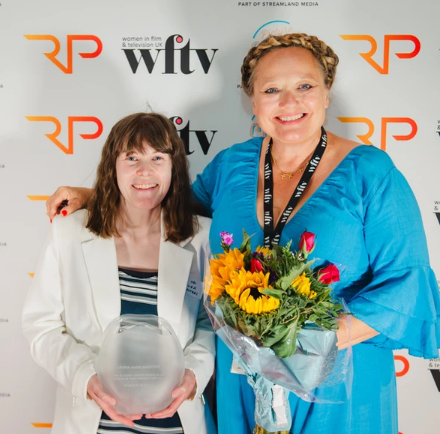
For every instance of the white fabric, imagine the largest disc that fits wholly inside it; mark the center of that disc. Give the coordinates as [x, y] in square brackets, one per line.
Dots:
[75, 294]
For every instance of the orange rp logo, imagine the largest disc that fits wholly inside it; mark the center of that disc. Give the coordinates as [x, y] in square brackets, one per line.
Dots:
[405, 368]
[386, 49]
[365, 138]
[71, 120]
[70, 38]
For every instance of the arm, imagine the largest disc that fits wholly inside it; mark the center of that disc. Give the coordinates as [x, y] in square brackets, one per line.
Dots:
[70, 363]
[199, 353]
[353, 331]
[75, 197]
[204, 186]
[401, 302]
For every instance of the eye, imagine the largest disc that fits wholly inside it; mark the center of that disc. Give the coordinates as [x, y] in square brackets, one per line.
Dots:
[271, 90]
[131, 158]
[158, 158]
[305, 86]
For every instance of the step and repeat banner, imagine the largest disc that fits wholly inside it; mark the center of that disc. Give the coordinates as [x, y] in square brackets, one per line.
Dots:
[70, 70]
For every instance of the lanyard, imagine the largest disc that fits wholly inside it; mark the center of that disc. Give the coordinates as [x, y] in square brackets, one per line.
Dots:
[271, 235]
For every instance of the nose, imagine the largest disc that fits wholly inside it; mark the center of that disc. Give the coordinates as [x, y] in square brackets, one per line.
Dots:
[144, 168]
[288, 98]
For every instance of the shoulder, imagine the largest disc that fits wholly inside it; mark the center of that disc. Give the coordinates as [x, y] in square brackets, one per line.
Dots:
[71, 226]
[204, 226]
[201, 238]
[367, 158]
[237, 152]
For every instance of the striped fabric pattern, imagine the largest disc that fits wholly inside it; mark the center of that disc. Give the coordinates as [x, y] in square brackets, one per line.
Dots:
[139, 296]
[138, 290]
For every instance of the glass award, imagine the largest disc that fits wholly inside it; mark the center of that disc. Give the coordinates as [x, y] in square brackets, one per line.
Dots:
[140, 363]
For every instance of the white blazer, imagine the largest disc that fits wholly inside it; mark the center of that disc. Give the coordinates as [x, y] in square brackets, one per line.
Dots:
[75, 295]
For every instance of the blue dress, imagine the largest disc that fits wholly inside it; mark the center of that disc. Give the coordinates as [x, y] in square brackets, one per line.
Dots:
[366, 217]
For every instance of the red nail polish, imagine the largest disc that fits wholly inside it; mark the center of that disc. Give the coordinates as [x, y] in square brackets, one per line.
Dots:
[64, 212]
[51, 220]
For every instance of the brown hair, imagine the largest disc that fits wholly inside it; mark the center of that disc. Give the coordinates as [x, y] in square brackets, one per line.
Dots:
[325, 56]
[132, 133]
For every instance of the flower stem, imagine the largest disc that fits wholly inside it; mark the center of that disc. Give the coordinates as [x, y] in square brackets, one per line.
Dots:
[259, 430]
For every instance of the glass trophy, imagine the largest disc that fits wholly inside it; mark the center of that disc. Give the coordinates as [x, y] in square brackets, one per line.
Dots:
[140, 363]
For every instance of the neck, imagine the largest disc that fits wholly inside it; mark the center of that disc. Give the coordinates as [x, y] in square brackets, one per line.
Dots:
[136, 222]
[290, 154]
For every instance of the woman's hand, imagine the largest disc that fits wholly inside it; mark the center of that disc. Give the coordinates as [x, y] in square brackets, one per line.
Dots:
[186, 390]
[107, 403]
[67, 200]
[353, 331]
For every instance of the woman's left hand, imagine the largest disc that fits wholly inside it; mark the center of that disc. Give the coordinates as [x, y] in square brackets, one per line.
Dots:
[186, 390]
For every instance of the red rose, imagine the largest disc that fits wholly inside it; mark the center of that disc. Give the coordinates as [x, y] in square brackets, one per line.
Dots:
[307, 243]
[329, 274]
[256, 266]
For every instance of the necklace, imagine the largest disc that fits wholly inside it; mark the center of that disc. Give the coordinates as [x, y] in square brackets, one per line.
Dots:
[285, 175]
[272, 235]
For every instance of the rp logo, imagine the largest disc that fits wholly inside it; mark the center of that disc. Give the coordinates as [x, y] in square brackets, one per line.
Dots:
[168, 57]
[386, 49]
[405, 368]
[364, 138]
[185, 135]
[70, 38]
[70, 123]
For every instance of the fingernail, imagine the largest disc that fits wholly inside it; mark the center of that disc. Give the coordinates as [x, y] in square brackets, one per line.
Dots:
[51, 220]
[64, 212]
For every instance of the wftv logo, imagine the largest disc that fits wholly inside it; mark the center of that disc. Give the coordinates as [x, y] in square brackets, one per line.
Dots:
[70, 124]
[386, 49]
[434, 367]
[364, 138]
[436, 210]
[185, 135]
[168, 57]
[70, 38]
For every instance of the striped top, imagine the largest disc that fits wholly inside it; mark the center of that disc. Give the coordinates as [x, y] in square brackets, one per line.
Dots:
[139, 296]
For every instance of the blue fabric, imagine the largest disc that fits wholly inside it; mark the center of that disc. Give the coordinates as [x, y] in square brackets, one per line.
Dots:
[365, 217]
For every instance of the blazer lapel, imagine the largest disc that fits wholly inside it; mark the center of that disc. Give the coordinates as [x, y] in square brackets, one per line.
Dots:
[102, 268]
[174, 269]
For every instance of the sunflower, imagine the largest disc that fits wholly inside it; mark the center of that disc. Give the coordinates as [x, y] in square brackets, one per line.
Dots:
[264, 250]
[221, 270]
[245, 288]
[302, 286]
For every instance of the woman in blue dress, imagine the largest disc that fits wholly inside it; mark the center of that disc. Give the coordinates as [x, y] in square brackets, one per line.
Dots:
[363, 212]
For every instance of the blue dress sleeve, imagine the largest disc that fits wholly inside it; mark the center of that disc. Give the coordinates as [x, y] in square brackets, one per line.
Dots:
[401, 301]
[204, 186]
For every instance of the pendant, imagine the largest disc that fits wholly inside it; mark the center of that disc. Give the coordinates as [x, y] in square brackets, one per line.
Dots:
[286, 175]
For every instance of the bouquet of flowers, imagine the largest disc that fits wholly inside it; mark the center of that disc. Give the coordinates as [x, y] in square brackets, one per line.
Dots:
[277, 315]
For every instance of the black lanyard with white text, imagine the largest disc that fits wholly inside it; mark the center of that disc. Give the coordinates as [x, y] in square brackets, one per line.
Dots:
[271, 235]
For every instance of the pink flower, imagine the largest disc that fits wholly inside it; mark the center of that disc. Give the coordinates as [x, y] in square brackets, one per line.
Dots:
[256, 266]
[329, 274]
[307, 243]
[227, 238]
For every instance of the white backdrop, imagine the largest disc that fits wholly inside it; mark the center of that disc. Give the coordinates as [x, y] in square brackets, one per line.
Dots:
[389, 100]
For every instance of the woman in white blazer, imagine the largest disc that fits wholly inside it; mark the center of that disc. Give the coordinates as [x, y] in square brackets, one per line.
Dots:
[140, 218]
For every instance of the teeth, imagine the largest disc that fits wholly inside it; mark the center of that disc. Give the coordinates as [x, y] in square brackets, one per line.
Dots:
[144, 186]
[291, 118]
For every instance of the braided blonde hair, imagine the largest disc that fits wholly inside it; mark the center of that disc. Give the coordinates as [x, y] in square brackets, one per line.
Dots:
[325, 56]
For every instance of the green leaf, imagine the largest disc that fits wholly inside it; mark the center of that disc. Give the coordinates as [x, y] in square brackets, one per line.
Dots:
[275, 293]
[286, 346]
[284, 282]
[246, 244]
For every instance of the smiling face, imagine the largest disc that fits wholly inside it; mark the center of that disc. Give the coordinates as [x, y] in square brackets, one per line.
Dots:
[143, 178]
[290, 97]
